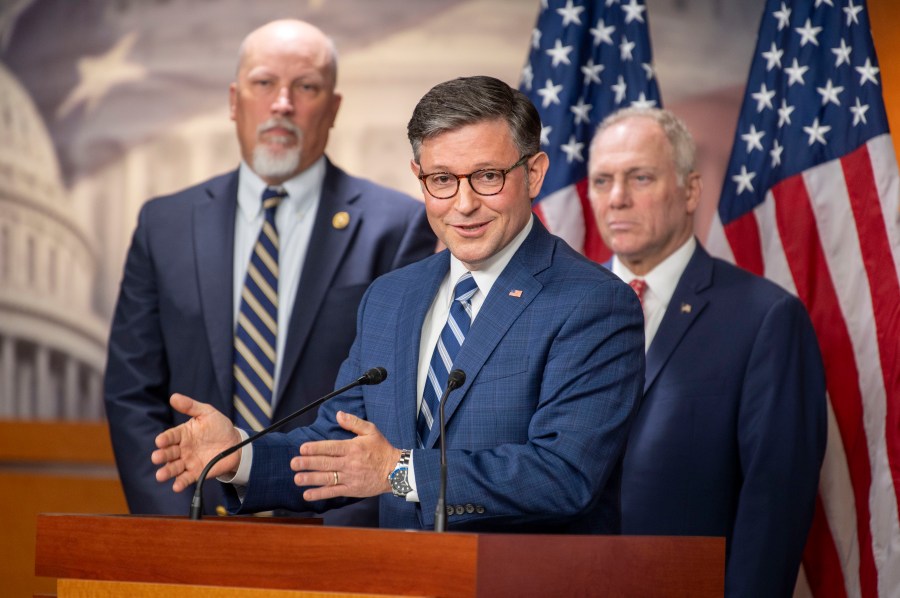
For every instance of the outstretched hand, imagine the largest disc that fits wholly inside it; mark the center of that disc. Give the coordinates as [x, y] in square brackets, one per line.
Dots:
[183, 451]
[357, 467]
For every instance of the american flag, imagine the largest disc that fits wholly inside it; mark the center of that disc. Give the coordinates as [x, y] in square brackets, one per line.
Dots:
[587, 59]
[810, 200]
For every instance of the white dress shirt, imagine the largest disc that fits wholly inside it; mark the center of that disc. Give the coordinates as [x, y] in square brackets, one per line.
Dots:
[661, 282]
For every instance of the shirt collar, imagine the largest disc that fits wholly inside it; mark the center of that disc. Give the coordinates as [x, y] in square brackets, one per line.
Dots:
[303, 188]
[490, 271]
[662, 279]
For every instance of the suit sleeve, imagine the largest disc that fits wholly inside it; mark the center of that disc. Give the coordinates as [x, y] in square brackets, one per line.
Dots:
[136, 384]
[781, 434]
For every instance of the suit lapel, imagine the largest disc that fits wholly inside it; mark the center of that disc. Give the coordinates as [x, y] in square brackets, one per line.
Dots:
[685, 307]
[412, 310]
[213, 228]
[498, 313]
[326, 250]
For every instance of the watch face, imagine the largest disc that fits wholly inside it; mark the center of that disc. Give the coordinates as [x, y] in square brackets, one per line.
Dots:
[399, 484]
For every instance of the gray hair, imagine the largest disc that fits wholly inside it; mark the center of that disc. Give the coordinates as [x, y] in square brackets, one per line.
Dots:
[468, 100]
[684, 151]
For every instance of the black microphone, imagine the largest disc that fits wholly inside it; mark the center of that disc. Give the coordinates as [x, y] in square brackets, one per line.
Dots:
[373, 376]
[455, 379]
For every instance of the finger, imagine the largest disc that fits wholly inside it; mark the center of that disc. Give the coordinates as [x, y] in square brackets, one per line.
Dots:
[317, 463]
[185, 404]
[327, 448]
[165, 455]
[358, 426]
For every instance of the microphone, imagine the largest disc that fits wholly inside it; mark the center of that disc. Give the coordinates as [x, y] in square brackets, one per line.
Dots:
[455, 379]
[372, 376]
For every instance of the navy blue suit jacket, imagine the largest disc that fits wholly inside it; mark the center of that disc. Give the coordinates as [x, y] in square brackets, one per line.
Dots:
[731, 433]
[554, 367]
[173, 327]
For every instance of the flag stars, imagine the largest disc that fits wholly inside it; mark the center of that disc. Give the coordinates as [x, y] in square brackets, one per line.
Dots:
[775, 153]
[808, 33]
[859, 113]
[602, 33]
[648, 70]
[528, 76]
[867, 72]
[773, 57]
[753, 139]
[744, 180]
[816, 132]
[820, 2]
[572, 149]
[545, 134]
[795, 73]
[559, 53]
[842, 54]
[625, 49]
[783, 16]
[852, 11]
[620, 88]
[592, 72]
[643, 102]
[633, 11]
[582, 112]
[784, 113]
[569, 13]
[830, 93]
[549, 93]
[536, 38]
[763, 98]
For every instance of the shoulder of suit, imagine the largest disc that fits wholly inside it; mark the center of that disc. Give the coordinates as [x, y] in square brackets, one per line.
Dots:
[748, 287]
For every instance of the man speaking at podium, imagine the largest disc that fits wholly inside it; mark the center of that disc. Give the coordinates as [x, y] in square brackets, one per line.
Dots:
[551, 345]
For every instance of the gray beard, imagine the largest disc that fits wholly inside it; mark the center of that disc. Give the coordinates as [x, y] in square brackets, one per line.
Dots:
[276, 165]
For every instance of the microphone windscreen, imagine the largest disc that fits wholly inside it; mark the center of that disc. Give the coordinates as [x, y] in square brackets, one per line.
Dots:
[376, 375]
[456, 378]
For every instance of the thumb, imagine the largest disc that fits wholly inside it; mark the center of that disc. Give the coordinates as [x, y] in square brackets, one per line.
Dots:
[353, 424]
[185, 404]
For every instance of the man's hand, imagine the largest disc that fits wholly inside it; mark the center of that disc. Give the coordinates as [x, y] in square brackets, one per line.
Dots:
[183, 451]
[356, 467]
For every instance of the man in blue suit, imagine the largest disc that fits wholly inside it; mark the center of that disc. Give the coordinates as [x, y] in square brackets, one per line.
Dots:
[174, 325]
[551, 345]
[731, 432]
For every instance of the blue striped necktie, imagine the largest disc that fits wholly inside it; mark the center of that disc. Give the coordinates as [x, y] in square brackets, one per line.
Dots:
[257, 328]
[448, 345]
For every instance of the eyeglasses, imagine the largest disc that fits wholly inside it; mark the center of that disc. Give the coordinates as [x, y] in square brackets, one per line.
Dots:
[487, 181]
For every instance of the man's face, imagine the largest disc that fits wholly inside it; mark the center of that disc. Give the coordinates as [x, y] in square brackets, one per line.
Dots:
[642, 211]
[283, 101]
[475, 227]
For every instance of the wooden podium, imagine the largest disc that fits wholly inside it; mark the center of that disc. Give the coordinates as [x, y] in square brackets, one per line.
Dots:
[117, 555]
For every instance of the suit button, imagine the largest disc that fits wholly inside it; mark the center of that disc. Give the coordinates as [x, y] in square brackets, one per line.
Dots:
[479, 509]
[460, 510]
[470, 508]
[449, 509]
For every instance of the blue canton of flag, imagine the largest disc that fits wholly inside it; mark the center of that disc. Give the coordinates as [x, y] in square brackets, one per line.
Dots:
[587, 60]
[813, 95]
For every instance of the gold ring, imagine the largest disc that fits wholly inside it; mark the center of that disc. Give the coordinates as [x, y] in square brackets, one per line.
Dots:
[335, 474]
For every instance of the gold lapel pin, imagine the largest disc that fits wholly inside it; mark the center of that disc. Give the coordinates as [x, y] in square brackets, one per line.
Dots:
[340, 220]
[685, 308]
[517, 293]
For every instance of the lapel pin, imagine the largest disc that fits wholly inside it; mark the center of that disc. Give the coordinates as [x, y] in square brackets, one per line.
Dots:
[340, 220]
[685, 308]
[517, 293]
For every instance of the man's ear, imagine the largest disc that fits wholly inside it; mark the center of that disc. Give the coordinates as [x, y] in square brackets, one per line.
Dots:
[693, 188]
[537, 166]
[232, 99]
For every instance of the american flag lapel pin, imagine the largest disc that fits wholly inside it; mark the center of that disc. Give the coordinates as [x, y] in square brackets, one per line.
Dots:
[685, 308]
[517, 293]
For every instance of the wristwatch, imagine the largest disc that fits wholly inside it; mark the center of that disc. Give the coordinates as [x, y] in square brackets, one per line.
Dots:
[399, 478]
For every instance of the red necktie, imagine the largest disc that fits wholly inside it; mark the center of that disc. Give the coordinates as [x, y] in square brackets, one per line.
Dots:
[639, 285]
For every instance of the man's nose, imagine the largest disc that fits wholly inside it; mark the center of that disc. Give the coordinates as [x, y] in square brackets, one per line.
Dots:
[467, 201]
[283, 103]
